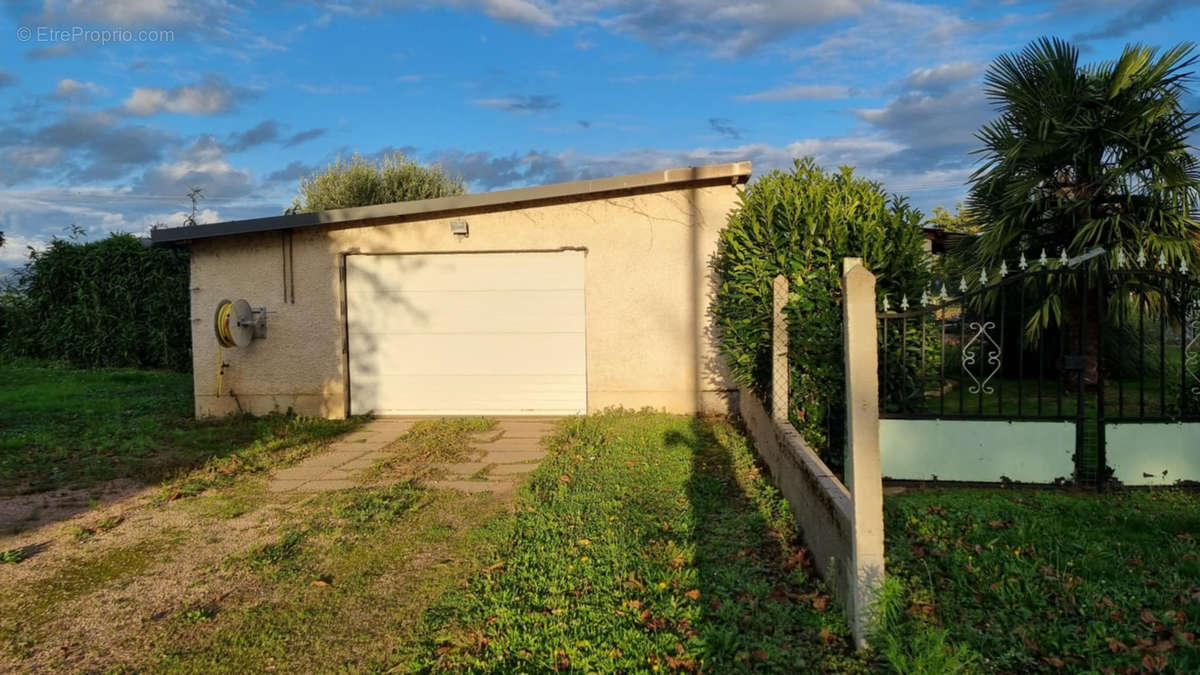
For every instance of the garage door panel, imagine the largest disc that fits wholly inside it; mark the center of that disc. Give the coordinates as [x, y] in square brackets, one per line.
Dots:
[461, 312]
[467, 354]
[488, 333]
[451, 272]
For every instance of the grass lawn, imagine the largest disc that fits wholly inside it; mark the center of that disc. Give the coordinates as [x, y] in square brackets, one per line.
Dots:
[62, 427]
[1048, 580]
[645, 542]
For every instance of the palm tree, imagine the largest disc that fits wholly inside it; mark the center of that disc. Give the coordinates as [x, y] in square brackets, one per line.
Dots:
[1086, 156]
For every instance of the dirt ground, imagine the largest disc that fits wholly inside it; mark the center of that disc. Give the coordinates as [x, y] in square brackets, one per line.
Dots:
[118, 577]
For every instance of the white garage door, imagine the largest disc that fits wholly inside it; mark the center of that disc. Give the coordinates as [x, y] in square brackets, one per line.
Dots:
[467, 334]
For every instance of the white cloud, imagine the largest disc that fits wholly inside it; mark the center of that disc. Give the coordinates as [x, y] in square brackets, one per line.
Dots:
[203, 165]
[532, 13]
[335, 89]
[924, 120]
[518, 11]
[74, 91]
[727, 28]
[519, 104]
[942, 76]
[135, 13]
[211, 96]
[34, 156]
[803, 92]
[888, 33]
[15, 251]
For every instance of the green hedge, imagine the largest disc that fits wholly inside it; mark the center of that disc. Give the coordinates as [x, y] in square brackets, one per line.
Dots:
[801, 224]
[111, 302]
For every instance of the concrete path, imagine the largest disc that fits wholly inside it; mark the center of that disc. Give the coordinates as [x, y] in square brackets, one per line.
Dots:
[335, 468]
[503, 454]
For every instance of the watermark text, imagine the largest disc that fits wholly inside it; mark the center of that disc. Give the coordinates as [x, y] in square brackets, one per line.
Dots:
[83, 34]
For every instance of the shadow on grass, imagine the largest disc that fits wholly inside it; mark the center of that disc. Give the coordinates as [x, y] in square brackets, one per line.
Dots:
[765, 610]
[71, 439]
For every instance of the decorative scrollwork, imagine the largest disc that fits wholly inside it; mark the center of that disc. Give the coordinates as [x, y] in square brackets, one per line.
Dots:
[988, 348]
[1192, 364]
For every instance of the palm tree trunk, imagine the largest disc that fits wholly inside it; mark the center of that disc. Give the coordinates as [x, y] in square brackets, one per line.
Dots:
[1089, 374]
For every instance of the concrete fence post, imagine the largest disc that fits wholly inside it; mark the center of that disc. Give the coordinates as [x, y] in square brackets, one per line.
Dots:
[780, 375]
[864, 478]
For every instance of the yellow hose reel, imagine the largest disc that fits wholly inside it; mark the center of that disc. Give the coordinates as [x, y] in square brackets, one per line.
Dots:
[236, 324]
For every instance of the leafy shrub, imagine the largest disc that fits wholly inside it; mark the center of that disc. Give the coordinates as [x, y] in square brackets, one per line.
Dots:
[801, 224]
[360, 182]
[111, 302]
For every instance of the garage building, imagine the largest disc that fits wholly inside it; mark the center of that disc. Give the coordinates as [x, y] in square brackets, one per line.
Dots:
[549, 300]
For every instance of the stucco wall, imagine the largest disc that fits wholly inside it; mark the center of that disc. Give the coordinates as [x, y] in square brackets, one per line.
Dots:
[648, 285]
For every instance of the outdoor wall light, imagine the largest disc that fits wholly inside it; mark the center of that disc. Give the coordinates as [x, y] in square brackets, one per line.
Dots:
[459, 228]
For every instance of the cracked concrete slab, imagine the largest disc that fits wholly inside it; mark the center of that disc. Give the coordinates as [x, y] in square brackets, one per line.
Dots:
[503, 454]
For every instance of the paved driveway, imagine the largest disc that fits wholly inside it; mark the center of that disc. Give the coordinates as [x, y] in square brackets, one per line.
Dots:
[503, 454]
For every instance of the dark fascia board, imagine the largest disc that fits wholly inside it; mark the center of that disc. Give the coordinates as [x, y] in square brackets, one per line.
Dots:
[735, 172]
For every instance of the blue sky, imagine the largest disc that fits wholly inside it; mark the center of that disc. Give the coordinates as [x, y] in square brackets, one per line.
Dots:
[242, 98]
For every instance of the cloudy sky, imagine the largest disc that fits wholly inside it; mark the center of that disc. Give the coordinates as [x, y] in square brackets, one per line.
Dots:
[110, 111]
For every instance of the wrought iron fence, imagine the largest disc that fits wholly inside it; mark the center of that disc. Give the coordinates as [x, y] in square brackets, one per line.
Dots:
[1092, 340]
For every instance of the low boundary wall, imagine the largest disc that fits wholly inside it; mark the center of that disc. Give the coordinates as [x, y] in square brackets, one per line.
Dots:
[819, 500]
[841, 524]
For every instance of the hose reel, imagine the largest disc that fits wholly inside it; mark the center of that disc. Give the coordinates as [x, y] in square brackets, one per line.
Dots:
[237, 324]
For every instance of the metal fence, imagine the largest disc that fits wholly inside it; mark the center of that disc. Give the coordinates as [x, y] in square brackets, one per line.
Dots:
[1096, 341]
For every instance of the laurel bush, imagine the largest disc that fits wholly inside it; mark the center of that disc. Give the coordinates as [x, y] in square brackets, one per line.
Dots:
[801, 223]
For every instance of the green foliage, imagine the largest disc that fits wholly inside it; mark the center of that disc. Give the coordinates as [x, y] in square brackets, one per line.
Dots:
[959, 222]
[360, 182]
[645, 542]
[802, 224]
[381, 506]
[62, 427]
[1034, 581]
[12, 556]
[910, 643]
[1088, 155]
[111, 302]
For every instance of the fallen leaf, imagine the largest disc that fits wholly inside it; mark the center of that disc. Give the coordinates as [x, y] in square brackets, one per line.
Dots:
[1054, 662]
[694, 594]
[1116, 646]
[1154, 663]
[565, 478]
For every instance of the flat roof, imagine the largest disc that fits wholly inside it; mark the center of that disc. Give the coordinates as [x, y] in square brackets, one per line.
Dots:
[650, 181]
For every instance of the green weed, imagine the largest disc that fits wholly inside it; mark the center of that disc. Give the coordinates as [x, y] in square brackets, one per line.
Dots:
[644, 542]
[1040, 580]
[80, 533]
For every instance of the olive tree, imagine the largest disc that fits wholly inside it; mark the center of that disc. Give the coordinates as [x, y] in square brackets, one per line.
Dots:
[362, 182]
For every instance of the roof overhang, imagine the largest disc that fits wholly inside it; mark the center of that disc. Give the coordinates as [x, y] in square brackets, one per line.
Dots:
[652, 181]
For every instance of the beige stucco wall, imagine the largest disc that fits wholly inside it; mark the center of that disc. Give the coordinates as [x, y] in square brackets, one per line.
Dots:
[648, 284]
